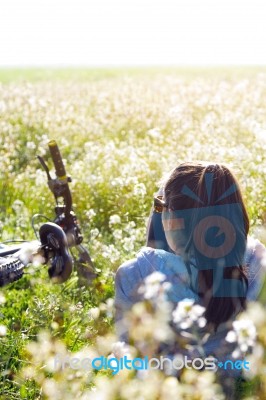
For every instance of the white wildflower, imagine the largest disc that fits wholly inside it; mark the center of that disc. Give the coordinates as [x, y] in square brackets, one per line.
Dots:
[31, 145]
[17, 206]
[90, 213]
[29, 253]
[139, 190]
[155, 278]
[2, 298]
[256, 360]
[94, 312]
[3, 107]
[244, 334]
[119, 350]
[111, 253]
[128, 244]
[175, 111]
[187, 313]
[171, 389]
[155, 133]
[94, 233]
[114, 220]
[54, 325]
[154, 285]
[256, 313]
[118, 234]
[130, 228]
[3, 330]
[110, 307]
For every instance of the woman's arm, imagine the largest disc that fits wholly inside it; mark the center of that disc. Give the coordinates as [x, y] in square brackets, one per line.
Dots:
[127, 281]
[122, 304]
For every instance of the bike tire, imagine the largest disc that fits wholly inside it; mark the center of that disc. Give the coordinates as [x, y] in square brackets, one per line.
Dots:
[11, 270]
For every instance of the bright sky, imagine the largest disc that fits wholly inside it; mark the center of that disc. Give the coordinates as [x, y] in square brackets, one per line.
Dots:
[132, 32]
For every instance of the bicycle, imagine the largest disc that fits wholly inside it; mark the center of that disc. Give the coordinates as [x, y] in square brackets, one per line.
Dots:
[56, 238]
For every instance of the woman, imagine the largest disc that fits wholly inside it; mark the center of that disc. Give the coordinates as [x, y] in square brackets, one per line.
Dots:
[204, 241]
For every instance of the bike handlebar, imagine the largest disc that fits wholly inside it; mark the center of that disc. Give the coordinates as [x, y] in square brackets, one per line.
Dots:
[57, 160]
[59, 186]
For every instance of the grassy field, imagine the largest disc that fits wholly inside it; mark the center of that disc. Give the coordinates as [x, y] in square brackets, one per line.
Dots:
[120, 131]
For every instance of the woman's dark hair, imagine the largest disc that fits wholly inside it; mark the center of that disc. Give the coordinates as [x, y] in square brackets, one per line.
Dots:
[195, 187]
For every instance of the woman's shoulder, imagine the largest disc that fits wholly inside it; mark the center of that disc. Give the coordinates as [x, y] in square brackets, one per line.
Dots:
[149, 260]
[132, 272]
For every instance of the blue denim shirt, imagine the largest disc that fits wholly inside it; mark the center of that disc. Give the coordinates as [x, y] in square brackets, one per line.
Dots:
[148, 260]
[131, 274]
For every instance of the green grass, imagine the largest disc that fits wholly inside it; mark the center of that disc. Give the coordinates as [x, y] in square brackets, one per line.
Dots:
[9, 75]
[119, 131]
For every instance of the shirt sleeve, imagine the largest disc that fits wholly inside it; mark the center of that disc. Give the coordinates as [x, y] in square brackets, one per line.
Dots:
[132, 273]
[122, 288]
[128, 279]
[122, 303]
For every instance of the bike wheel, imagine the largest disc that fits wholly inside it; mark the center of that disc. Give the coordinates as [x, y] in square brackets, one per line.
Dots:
[11, 269]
